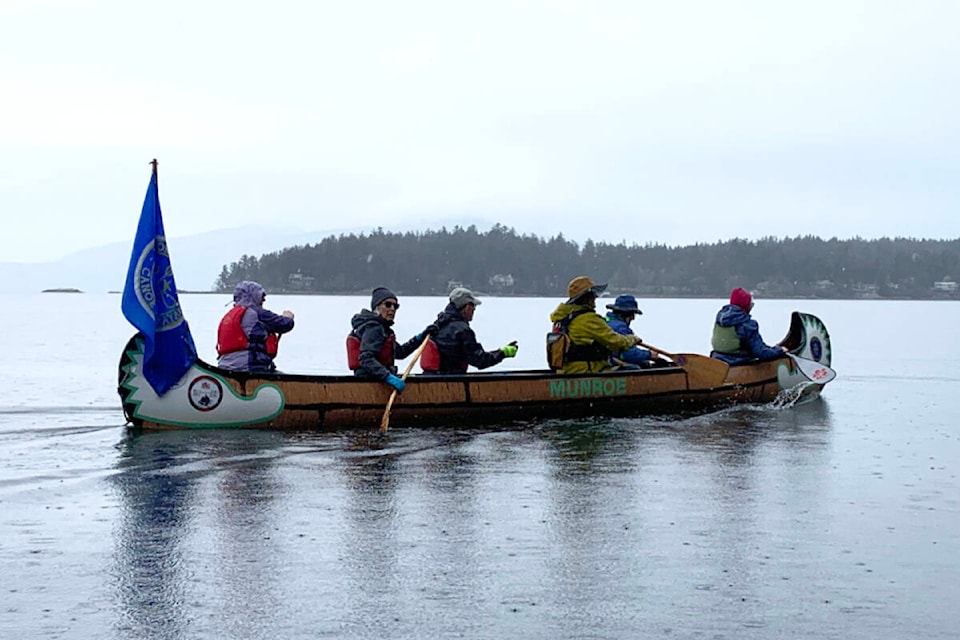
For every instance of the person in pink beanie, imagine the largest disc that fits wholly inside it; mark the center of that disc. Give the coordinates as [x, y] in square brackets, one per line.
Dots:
[736, 336]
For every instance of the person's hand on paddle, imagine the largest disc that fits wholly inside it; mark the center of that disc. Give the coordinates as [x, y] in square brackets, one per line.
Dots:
[396, 383]
[287, 314]
[510, 350]
[431, 330]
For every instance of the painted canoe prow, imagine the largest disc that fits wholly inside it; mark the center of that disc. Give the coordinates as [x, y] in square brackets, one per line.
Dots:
[208, 397]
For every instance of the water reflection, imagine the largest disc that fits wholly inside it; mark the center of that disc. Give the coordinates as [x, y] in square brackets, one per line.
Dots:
[175, 489]
[368, 542]
[411, 529]
[248, 553]
[150, 565]
[697, 497]
[619, 524]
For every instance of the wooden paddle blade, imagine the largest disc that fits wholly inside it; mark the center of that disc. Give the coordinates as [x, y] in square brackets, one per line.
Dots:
[385, 421]
[702, 371]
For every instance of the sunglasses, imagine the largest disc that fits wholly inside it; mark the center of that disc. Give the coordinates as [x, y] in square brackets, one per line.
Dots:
[391, 305]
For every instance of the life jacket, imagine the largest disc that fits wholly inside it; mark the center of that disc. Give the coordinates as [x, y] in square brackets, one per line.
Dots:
[230, 335]
[726, 340]
[430, 357]
[385, 357]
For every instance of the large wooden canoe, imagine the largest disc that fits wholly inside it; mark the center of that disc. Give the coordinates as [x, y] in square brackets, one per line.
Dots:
[208, 397]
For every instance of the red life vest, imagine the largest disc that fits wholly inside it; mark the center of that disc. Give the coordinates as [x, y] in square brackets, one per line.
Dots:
[430, 357]
[385, 357]
[230, 335]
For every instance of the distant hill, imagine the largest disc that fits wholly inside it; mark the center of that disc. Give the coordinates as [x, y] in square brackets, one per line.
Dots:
[197, 261]
[504, 262]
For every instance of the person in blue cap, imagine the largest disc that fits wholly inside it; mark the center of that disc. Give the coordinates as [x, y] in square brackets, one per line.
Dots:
[622, 312]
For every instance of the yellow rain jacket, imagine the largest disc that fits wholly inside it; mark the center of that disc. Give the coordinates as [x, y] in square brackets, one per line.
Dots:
[586, 329]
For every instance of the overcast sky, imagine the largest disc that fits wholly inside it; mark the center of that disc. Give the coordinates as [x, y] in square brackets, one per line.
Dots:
[646, 121]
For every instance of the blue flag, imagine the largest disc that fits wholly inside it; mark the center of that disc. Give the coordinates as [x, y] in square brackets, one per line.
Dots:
[151, 304]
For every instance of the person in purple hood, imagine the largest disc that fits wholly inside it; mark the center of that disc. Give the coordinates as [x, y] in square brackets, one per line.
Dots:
[248, 335]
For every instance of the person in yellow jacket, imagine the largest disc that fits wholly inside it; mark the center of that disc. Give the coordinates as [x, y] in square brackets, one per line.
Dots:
[592, 340]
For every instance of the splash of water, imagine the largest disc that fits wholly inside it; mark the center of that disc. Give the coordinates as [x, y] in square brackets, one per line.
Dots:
[790, 397]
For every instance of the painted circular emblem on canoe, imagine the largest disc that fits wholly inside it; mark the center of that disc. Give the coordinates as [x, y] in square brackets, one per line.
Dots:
[816, 348]
[205, 393]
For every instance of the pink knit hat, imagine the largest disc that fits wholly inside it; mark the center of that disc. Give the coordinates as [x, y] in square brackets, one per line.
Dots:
[741, 298]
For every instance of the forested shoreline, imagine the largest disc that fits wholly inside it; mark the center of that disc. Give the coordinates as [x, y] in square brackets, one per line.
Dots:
[502, 262]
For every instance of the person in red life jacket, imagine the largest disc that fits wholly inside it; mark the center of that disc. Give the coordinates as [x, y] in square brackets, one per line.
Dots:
[736, 336]
[248, 335]
[372, 345]
[455, 345]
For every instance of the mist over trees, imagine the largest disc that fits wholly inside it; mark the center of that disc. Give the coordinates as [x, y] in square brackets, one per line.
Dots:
[502, 262]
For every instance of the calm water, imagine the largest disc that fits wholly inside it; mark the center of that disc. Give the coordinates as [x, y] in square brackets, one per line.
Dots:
[839, 518]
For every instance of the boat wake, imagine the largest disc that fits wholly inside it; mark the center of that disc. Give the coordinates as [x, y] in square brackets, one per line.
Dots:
[794, 395]
[56, 420]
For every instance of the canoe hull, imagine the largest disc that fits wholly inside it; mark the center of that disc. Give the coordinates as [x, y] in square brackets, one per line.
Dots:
[208, 397]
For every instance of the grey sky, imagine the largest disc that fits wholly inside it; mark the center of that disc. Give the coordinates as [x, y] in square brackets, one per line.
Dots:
[672, 122]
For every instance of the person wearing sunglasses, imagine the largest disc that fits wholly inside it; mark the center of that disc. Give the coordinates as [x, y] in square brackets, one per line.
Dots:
[736, 336]
[372, 347]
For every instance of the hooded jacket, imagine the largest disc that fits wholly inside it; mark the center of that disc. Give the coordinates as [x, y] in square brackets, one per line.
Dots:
[256, 323]
[590, 329]
[457, 344]
[633, 355]
[736, 338]
[374, 331]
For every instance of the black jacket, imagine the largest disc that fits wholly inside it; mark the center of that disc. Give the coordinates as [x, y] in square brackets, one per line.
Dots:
[373, 331]
[458, 344]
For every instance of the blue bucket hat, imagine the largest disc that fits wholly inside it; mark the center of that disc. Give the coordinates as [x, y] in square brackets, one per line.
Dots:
[625, 303]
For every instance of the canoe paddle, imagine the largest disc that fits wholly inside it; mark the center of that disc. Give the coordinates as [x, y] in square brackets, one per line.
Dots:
[814, 371]
[702, 371]
[385, 422]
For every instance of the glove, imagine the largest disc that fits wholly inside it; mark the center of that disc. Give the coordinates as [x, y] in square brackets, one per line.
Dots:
[431, 331]
[396, 382]
[510, 350]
